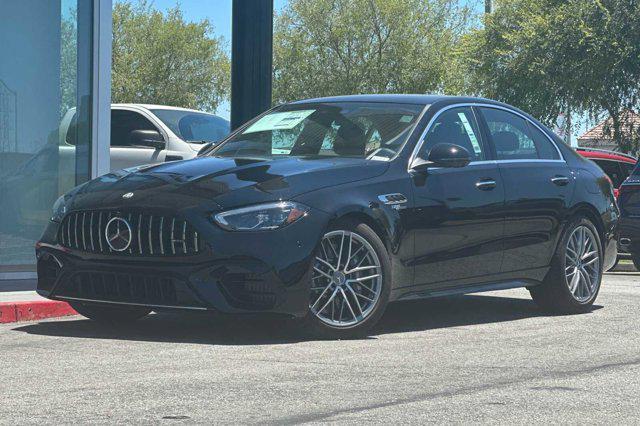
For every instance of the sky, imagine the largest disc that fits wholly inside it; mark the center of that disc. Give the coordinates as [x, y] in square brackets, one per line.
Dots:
[218, 12]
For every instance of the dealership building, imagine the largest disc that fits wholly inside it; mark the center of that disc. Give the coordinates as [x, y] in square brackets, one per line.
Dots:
[56, 56]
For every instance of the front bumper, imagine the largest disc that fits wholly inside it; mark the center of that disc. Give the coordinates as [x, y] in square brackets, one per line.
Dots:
[239, 272]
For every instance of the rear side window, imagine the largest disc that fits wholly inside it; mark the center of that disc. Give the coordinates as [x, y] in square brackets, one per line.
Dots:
[627, 169]
[517, 139]
[613, 170]
[124, 122]
[545, 148]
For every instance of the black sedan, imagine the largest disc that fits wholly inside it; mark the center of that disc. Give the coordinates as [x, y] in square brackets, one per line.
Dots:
[328, 209]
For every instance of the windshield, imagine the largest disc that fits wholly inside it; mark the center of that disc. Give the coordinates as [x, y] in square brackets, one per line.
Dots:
[349, 129]
[192, 126]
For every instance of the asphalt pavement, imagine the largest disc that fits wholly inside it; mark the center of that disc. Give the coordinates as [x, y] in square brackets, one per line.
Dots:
[491, 358]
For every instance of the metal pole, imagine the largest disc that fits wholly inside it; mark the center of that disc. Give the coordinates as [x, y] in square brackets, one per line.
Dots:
[569, 130]
[251, 59]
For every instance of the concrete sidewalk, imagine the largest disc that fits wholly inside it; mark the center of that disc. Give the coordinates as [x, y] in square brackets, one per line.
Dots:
[20, 296]
[27, 305]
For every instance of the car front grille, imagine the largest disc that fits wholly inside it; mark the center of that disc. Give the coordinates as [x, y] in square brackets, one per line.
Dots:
[130, 288]
[151, 235]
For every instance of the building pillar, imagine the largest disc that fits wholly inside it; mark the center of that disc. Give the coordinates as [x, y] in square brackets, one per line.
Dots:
[488, 6]
[251, 59]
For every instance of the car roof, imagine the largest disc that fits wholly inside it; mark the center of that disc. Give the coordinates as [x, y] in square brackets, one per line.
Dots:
[401, 98]
[167, 107]
[606, 155]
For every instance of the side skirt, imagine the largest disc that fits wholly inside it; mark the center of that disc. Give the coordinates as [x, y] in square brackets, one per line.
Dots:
[480, 288]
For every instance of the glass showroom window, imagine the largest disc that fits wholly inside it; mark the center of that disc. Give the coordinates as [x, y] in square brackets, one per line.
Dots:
[45, 81]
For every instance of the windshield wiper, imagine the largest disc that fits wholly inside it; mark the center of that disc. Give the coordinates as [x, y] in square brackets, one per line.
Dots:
[200, 141]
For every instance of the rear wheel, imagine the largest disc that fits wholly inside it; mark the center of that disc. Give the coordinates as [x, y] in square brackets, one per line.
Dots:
[350, 282]
[110, 314]
[573, 282]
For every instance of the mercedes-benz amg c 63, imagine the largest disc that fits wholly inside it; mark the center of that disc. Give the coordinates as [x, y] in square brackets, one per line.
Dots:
[326, 210]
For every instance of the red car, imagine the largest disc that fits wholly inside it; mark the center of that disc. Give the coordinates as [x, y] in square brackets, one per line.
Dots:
[616, 165]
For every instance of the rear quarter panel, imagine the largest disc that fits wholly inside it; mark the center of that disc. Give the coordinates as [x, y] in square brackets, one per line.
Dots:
[594, 193]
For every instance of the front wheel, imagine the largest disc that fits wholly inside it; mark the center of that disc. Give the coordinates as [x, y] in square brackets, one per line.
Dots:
[350, 282]
[573, 282]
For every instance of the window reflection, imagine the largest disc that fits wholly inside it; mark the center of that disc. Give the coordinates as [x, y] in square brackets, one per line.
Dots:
[46, 81]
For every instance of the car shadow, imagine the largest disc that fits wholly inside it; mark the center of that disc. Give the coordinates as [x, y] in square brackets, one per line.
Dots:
[624, 273]
[419, 315]
[456, 311]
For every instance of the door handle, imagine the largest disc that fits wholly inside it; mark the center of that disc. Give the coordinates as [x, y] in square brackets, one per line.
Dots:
[486, 184]
[560, 180]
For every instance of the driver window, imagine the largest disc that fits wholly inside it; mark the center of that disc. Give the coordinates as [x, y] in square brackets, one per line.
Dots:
[123, 122]
[457, 126]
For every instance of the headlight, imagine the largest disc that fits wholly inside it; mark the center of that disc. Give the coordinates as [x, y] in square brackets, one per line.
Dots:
[59, 209]
[261, 217]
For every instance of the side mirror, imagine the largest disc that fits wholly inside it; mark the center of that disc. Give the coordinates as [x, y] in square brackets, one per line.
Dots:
[151, 138]
[206, 147]
[443, 155]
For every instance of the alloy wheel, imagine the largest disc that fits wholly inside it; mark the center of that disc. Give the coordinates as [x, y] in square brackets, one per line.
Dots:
[582, 264]
[346, 280]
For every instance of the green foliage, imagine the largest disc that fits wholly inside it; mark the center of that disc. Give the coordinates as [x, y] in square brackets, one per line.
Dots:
[335, 47]
[551, 56]
[163, 59]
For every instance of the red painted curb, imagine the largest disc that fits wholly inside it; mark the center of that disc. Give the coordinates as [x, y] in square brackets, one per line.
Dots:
[33, 310]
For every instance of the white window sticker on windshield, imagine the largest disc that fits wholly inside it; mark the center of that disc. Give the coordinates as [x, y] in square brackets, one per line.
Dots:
[406, 118]
[470, 133]
[279, 121]
[280, 151]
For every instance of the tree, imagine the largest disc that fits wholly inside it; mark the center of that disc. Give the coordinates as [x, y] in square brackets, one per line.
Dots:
[554, 56]
[162, 59]
[334, 47]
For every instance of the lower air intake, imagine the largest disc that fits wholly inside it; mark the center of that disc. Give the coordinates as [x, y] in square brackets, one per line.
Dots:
[128, 288]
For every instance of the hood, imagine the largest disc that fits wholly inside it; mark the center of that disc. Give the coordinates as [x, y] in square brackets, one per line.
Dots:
[221, 183]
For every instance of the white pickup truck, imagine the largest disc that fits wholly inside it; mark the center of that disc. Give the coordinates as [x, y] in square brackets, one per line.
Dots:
[145, 134]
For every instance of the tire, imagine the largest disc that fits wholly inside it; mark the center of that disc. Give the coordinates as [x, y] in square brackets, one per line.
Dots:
[110, 314]
[635, 258]
[356, 315]
[555, 293]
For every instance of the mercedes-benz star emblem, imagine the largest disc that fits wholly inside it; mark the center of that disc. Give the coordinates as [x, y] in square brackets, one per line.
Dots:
[118, 234]
[128, 195]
